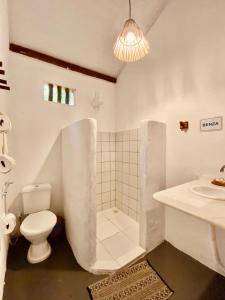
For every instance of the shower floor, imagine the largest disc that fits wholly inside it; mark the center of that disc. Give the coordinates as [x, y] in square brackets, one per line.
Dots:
[117, 240]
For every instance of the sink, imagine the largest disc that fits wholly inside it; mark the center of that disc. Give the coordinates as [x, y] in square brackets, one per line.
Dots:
[209, 192]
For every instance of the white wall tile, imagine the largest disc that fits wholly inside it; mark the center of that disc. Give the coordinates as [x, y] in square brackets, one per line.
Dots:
[119, 156]
[134, 169]
[106, 197]
[99, 167]
[112, 146]
[113, 195]
[99, 177]
[126, 168]
[105, 136]
[105, 146]
[117, 171]
[133, 204]
[126, 157]
[99, 157]
[119, 186]
[119, 136]
[113, 176]
[125, 189]
[105, 187]
[133, 192]
[106, 177]
[125, 178]
[119, 176]
[133, 181]
[113, 185]
[133, 158]
[119, 166]
[119, 146]
[99, 146]
[134, 146]
[126, 146]
[133, 135]
[98, 188]
[112, 136]
[126, 135]
[112, 156]
[105, 166]
[105, 156]
[99, 199]
[99, 136]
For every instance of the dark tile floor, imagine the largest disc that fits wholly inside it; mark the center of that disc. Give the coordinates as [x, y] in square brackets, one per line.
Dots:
[61, 278]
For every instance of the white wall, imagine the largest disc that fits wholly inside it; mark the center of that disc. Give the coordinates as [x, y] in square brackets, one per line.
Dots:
[37, 124]
[4, 98]
[181, 79]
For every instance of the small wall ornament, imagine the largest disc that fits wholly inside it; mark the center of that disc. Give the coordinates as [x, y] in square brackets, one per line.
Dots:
[96, 103]
[184, 125]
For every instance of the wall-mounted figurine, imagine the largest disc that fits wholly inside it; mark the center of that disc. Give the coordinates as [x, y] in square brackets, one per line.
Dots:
[96, 103]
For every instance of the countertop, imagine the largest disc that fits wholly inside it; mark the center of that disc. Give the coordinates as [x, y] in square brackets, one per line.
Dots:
[182, 198]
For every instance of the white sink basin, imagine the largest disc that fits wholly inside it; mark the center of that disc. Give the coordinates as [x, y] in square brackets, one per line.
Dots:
[209, 192]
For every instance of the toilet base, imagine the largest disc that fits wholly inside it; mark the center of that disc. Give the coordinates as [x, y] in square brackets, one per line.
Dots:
[38, 252]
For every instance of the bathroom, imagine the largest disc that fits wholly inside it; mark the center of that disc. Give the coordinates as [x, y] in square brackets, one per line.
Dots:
[179, 80]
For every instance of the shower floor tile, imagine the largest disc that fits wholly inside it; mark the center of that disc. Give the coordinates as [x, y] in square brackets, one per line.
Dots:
[105, 230]
[122, 221]
[132, 232]
[117, 240]
[111, 213]
[101, 253]
[100, 217]
[118, 245]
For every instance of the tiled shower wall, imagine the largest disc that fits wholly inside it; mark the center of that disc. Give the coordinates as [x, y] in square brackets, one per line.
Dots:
[106, 171]
[127, 169]
[117, 171]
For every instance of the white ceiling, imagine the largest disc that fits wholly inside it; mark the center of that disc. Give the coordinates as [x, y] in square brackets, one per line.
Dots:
[79, 31]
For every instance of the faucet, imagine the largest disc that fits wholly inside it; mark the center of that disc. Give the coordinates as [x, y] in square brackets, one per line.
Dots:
[4, 193]
[6, 186]
[222, 169]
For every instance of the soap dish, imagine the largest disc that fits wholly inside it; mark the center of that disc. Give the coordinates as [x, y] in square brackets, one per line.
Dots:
[218, 181]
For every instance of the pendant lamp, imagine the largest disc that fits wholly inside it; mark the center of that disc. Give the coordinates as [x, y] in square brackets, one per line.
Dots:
[131, 44]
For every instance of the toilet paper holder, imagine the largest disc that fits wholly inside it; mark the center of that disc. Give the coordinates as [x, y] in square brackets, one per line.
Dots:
[5, 123]
[6, 161]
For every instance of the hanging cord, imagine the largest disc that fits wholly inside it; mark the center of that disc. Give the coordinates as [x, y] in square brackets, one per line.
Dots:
[129, 9]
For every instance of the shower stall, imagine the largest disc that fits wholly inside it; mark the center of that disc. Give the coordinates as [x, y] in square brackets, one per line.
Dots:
[108, 180]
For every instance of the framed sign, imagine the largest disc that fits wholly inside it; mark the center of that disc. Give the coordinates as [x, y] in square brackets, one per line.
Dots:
[211, 124]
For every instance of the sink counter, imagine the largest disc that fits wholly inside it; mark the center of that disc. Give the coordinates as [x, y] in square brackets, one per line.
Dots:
[182, 198]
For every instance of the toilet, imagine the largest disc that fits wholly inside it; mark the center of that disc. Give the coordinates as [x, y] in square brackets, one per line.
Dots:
[39, 221]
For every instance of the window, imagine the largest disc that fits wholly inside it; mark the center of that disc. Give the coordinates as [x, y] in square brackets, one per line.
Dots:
[58, 94]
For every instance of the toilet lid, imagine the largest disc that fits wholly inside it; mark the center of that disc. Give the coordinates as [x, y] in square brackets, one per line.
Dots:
[38, 222]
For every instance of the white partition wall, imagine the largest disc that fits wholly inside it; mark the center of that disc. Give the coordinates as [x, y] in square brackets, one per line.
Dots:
[152, 179]
[79, 181]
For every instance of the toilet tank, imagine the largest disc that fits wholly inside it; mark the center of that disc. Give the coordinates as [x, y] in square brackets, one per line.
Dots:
[36, 198]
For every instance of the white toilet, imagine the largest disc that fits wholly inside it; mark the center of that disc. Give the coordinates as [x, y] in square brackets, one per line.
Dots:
[39, 223]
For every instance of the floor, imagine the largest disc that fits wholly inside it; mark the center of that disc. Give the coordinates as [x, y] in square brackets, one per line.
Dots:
[61, 278]
[116, 228]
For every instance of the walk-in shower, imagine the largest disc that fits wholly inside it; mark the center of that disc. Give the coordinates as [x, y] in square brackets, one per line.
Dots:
[108, 180]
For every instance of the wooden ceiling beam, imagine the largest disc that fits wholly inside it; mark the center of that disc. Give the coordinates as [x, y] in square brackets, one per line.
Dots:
[59, 62]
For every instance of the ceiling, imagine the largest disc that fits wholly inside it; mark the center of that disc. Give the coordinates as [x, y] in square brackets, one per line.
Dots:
[79, 31]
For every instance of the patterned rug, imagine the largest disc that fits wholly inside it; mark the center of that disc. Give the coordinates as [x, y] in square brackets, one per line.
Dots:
[138, 282]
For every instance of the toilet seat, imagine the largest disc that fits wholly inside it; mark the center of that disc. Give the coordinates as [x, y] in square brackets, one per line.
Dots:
[37, 223]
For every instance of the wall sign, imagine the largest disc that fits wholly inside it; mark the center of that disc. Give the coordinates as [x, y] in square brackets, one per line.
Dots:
[211, 124]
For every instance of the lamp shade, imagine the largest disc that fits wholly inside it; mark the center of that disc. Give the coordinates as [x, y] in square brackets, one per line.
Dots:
[131, 44]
